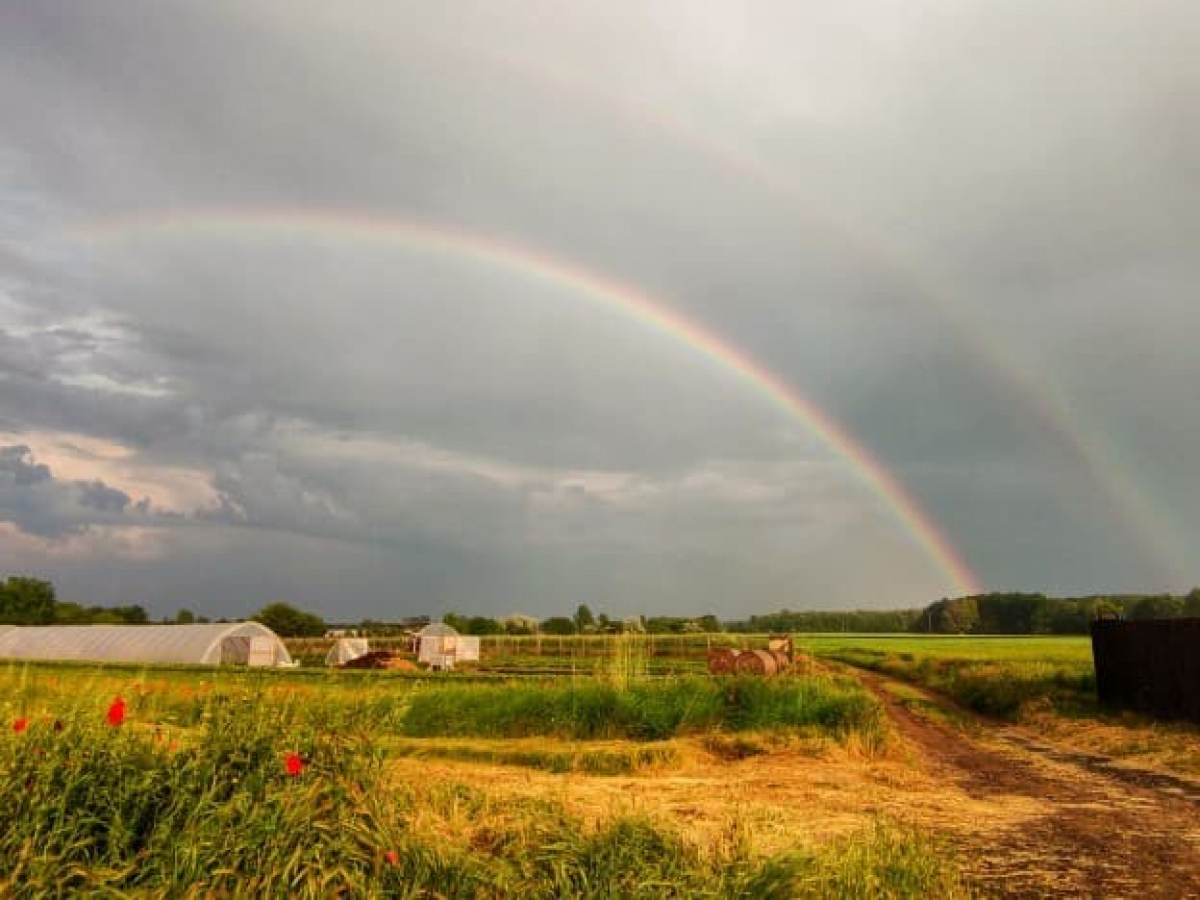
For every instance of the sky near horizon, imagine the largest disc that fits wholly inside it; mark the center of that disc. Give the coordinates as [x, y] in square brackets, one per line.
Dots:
[399, 308]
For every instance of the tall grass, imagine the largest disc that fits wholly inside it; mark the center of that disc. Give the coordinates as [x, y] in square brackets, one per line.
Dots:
[208, 808]
[643, 710]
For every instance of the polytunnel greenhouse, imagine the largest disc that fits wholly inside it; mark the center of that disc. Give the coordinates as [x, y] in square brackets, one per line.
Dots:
[243, 643]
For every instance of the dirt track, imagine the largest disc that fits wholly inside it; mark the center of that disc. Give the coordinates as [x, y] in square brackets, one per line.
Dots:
[1092, 828]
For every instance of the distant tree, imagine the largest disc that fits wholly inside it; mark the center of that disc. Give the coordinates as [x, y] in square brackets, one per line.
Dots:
[958, 615]
[483, 625]
[558, 625]
[1072, 616]
[185, 617]
[1013, 614]
[287, 621]
[519, 624]
[70, 614]
[671, 625]
[1159, 606]
[26, 601]
[584, 620]
[131, 615]
[710, 624]
[461, 624]
[1191, 603]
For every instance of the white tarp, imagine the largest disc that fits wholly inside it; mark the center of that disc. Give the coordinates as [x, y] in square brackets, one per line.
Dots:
[247, 643]
[346, 649]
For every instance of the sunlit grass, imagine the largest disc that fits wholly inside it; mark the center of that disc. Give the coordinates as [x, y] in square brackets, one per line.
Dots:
[234, 783]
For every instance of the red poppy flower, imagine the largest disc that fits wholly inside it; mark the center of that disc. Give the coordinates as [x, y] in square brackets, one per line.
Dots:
[294, 764]
[58, 725]
[20, 725]
[116, 712]
[392, 858]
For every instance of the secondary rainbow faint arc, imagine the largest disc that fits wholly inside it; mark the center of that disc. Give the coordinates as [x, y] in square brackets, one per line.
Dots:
[1032, 389]
[634, 303]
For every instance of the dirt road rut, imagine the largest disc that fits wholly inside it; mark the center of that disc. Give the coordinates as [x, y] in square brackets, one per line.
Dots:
[1092, 828]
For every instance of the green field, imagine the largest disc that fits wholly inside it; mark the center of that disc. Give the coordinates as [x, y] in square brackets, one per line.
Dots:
[1003, 676]
[222, 782]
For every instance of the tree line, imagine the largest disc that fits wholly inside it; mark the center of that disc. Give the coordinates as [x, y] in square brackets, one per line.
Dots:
[1031, 613]
[33, 601]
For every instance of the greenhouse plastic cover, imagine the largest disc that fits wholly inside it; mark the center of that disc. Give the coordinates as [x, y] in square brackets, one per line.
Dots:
[345, 650]
[204, 643]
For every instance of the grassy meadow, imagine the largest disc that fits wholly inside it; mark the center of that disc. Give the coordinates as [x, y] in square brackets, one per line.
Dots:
[1002, 676]
[219, 782]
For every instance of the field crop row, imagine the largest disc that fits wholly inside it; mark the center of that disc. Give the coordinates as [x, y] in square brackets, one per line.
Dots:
[649, 710]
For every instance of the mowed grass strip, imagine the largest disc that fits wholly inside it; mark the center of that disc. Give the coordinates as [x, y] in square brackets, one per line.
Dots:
[590, 758]
[645, 710]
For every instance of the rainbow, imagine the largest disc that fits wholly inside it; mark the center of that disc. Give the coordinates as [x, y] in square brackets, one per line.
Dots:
[629, 301]
[1045, 402]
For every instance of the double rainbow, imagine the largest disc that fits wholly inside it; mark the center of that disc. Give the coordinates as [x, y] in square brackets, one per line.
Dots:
[629, 301]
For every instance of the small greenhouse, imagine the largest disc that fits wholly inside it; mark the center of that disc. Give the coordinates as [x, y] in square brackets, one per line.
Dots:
[441, 646]
[240, 643]
[346, 649]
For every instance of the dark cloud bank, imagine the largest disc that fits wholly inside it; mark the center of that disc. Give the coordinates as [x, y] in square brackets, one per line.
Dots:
[909, 211]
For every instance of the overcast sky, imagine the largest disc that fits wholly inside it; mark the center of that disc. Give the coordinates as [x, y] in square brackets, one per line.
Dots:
[966, 231]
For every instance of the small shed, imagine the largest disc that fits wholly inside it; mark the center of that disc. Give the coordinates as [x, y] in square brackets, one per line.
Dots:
[441, 647]
[345, 649]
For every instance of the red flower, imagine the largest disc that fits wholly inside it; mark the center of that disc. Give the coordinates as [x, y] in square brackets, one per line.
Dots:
[58, 725]
[294, 764]
[392, 858]
[116, 712]
[20, 725]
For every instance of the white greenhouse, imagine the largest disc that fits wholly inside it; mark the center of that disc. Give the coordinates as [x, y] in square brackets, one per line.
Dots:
[440, 646]
[244, 643]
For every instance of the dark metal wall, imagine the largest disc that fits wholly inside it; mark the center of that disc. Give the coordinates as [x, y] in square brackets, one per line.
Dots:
[1151, 666]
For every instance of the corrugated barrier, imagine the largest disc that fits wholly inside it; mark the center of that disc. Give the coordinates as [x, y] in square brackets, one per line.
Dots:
[1151, 666]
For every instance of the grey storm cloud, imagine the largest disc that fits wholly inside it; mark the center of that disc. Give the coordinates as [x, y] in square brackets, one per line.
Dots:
[98, 495]
[965, 231]
[15, 461]
[37, 503]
